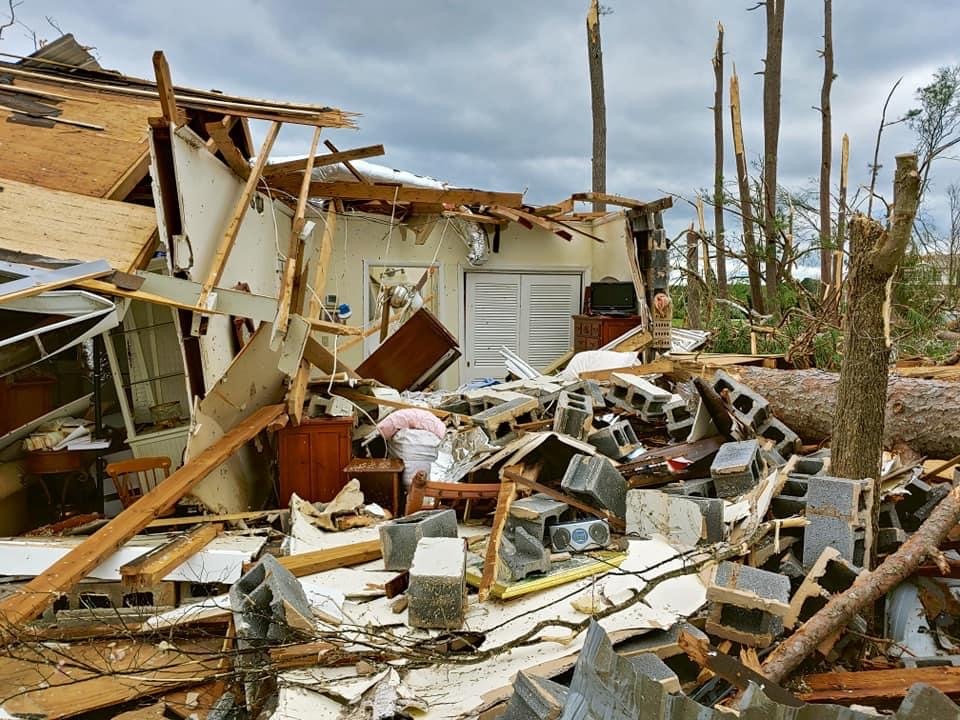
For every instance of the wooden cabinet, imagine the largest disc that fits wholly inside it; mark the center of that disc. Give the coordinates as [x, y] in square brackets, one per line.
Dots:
[312, 458]
[591, 332]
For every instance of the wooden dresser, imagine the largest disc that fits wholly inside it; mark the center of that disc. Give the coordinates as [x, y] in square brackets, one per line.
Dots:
[591, 332]
[312, 458]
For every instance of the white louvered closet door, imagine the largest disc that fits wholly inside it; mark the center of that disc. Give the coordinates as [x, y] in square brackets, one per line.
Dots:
[548, 304]
[492, 321]
[529, 313]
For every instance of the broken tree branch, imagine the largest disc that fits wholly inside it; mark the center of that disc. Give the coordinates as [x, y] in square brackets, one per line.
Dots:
[867, 588]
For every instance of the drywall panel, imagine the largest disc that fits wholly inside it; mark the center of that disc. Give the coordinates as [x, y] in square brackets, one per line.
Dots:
[208, 191]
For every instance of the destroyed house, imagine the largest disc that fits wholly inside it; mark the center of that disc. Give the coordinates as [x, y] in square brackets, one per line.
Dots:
[311, 436]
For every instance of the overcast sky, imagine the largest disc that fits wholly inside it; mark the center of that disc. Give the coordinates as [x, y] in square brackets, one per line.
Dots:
[495, 94]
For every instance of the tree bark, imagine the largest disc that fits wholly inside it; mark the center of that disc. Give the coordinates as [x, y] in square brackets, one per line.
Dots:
[806, 401]
[867, 588]
[746, 202]
[718, 165]
[597, 102]
[771, 136]
[826, 150]
[861, 395]
[693, 285]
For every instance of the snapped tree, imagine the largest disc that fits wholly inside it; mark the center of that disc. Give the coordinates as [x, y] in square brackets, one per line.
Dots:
[597, 102]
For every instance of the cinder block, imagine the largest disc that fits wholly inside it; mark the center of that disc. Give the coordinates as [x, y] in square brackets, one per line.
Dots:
[656, 669]
[437, 591]
[792, 499]
[736, 468]
[750, 407]
[595, 479]
[712, 511]
[829, 575]
[679, 418]
[536, 514]
[811, 465]
[269, 608]
[839, 516]
[698, 487]
[590, 388]
[638, 395]
[785, 440]
[791, 566]
[523, 554]
[748, 604]
[824, 532]
[535, 698]
[616, 441]
[835, 497]
[574, 415]
[683, 520]
[892, 535]
[917, 506]
[500, 419]
[399, 538]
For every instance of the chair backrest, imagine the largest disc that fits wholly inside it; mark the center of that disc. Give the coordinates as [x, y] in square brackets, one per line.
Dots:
[135, 478]
[421, 488]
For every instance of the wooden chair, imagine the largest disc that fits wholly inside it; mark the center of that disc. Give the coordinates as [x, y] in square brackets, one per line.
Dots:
[135, 478]
[421, 488]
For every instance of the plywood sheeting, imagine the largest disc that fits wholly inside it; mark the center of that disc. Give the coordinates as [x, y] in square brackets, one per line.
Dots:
[68, 226]
[85, 161]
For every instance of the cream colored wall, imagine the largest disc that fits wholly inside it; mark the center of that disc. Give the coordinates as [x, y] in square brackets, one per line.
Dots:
[360, 238]
[610, 257]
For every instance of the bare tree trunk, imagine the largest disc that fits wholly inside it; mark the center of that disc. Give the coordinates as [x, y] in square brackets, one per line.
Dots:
[826, 150]
[598, 103]
[866, 589]
[693, 286]
[771, 136]
[718, 165]
[746, 203]
[862, 393]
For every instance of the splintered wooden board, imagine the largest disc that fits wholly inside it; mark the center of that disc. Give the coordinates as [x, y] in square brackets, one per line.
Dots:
[68, 226]
[89, 162]
[68, 681]
[576, 568]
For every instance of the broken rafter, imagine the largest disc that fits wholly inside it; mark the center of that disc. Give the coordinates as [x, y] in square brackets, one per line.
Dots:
[236, 218]
[291, 292]
[346, 163]
[403, 194]
[530, 221]
[333, 158]
[659, 205]
[219, 132]
[168, 101]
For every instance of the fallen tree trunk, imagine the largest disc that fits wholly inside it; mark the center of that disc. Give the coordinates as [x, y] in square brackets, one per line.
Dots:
[916, 413]
[866, 589]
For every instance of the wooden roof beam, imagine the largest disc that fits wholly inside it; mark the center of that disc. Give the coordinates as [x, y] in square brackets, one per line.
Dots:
[658, 205]
[219, 132]
[404, 194]
[332, 158]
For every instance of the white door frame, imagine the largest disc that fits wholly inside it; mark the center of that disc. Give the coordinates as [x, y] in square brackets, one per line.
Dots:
[582, 270]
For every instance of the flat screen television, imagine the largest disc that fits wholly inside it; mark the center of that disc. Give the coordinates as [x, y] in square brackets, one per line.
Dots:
[613, 298]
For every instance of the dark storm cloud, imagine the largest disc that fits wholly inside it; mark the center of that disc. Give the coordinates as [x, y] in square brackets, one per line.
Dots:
[495, 94]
